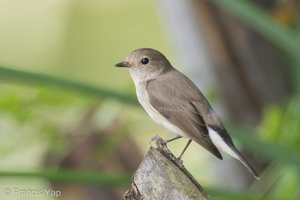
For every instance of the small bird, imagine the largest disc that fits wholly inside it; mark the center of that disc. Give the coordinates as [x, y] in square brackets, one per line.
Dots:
[173, 101]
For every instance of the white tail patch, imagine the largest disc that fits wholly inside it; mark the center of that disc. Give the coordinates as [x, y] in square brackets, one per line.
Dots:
[220, 143]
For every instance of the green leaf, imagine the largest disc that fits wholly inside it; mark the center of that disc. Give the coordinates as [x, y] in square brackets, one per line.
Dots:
[265, 24]
[72, 176]
[266, 149]
[9, 74]
[218, 194]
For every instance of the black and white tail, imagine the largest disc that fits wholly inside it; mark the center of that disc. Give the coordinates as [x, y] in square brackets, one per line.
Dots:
[226, 145]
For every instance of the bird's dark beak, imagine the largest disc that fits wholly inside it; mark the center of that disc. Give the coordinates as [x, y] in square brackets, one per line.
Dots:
[123, 64]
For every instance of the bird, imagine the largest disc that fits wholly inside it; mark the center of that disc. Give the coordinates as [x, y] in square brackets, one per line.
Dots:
[174, 102]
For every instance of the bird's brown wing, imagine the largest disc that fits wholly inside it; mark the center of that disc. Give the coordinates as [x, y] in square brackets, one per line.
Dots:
[177, 106]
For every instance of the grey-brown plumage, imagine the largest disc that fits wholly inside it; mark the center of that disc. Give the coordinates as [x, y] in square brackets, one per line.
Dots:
[181, 109]
[174, 102]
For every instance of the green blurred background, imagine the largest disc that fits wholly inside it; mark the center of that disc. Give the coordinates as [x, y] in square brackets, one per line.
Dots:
[70, 121]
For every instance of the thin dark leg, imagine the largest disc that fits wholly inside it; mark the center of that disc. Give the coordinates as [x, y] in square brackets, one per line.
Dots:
[171, 139]
[186, 146]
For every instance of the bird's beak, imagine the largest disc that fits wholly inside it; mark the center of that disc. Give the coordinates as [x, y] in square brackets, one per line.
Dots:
[123, 64]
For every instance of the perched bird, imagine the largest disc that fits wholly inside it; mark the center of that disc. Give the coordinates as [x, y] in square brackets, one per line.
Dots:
[173, 101]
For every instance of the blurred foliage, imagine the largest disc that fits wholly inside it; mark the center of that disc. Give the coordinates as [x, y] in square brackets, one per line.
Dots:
[33, 114]
[73, 176]
[281, 126]
[265, 24]
[19, 76]
[284, 37]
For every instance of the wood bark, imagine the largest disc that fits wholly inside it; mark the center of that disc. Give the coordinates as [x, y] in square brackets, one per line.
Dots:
[162, 176]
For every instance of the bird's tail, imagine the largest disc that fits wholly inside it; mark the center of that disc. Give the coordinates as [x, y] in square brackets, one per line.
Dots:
[227, 146]
[241, 158]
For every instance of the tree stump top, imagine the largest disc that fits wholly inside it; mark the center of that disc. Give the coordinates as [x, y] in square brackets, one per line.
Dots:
[162, 176]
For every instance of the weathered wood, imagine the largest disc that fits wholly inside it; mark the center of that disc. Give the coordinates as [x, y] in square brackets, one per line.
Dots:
[162, 176]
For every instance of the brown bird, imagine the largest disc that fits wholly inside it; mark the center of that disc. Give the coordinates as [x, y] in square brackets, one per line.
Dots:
[173, 101]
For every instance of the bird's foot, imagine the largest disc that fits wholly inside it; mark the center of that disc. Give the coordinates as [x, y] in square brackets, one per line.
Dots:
[161, 145]
[158, 141]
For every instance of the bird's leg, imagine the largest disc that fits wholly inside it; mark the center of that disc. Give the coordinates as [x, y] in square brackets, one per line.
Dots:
[185, 148]
[171, 139]
[175, 138]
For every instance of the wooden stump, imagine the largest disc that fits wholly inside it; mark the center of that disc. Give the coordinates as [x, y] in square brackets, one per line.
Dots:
[162, 176]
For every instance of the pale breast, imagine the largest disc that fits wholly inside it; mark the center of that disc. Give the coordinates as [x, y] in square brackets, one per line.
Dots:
[143, 98]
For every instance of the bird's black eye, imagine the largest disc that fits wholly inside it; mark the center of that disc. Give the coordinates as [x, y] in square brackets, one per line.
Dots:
[145, 61]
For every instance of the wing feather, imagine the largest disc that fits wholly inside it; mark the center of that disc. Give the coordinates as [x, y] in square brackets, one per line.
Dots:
[176, 105]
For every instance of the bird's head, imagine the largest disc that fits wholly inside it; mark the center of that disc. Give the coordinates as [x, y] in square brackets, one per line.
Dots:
[145, 64]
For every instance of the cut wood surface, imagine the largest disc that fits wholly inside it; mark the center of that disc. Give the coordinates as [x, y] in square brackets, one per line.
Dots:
[162, 176]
